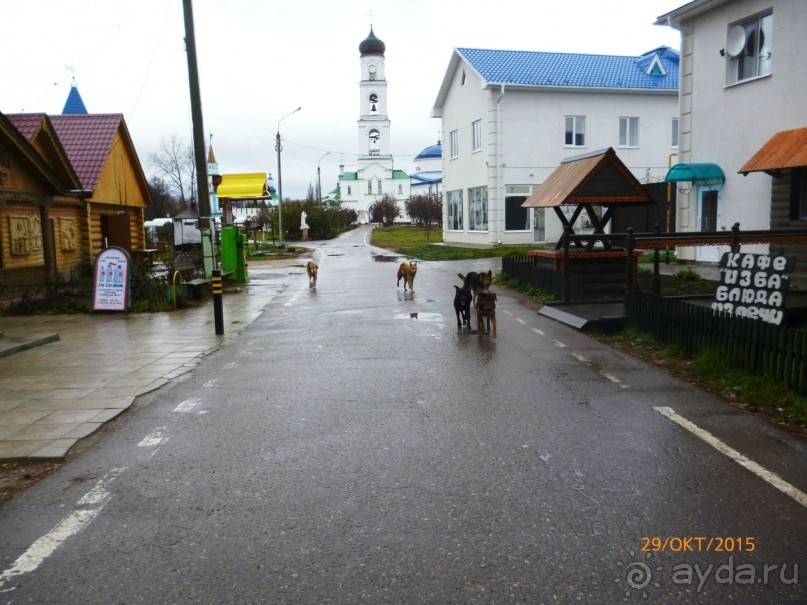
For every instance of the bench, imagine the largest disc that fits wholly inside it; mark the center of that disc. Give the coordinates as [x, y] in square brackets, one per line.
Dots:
[195, 286]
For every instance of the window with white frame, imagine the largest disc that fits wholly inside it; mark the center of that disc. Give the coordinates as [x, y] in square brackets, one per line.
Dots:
[455, 210]
[370, 186]
[478, 209]
[453, 144]
[629, 132]
[476, 129]
[749, 48]
[349, 190]
[674, 139]
[400, 189]
[379, 186]
[575, 131]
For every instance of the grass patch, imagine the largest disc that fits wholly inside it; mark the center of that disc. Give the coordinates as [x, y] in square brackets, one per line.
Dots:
[762, 392]
[717, 373]
[423, 244]
[502, 279]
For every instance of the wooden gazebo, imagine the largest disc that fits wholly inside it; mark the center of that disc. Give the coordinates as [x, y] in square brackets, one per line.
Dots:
[583, 182]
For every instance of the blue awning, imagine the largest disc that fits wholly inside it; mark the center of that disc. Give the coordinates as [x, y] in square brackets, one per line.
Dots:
[710, 175]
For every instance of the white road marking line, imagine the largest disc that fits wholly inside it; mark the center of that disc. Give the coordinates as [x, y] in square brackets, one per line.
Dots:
[506, 312]
[613, 379]
[521, 321]
[211, 384]
[188, 404]
[538, 332]
[558, 344]
[580, 358]
[154, 438]
[229, 366]
[760, 471]
[45, 546]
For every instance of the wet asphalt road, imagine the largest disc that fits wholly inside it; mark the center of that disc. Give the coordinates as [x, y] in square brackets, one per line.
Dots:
[342, 451]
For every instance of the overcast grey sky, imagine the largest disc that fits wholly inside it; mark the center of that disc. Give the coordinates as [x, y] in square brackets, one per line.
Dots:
[258, 60]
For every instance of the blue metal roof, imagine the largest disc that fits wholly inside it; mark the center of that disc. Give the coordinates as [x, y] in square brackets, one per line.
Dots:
[530, 68]
[430, 153]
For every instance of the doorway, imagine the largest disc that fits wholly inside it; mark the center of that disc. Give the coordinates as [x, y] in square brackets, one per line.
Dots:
[115, 231]
[708, 220]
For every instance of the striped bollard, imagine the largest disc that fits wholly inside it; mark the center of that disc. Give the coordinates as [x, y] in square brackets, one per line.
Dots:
[218, 312]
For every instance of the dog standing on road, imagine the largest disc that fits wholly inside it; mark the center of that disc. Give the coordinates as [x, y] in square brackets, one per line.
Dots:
[475, 282]
[462, 306]
[407, 272]
[486, 310]
[312, 268]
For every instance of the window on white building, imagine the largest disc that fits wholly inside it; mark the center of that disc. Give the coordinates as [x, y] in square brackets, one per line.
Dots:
[575, 131]
[349, 192]
[749, 48]
[400, 189]
[478, 209]
[628, 132]
[379, 186]
[476, 128]
[674, 139]
[453, 144]
[369, 186]
[455, 210]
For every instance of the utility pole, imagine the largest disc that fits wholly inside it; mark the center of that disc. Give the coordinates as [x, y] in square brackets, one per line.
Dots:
[202, 191]
[198, 139]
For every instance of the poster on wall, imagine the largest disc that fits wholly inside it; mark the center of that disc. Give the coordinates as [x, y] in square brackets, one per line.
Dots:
[111, 287]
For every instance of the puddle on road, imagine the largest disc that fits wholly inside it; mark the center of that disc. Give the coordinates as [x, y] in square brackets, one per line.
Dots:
[385, 258]
[430, 317]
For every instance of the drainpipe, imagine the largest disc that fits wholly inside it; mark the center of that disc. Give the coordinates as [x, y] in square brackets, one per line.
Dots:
[499, 188]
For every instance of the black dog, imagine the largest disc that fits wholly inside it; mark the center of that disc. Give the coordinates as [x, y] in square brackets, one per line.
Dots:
[462, 305]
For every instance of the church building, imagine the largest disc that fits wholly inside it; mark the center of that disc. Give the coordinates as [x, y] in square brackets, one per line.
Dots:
[375, 175]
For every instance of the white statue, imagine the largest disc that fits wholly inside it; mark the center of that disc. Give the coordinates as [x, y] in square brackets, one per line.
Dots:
[303, 224]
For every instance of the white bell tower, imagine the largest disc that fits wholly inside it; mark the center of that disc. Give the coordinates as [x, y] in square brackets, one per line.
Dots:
[374, 124]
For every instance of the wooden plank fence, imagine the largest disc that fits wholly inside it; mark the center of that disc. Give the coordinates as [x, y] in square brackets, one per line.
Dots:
[755, 346]
[546, 280]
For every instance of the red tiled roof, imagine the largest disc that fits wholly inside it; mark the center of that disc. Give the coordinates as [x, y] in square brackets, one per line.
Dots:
[27, 124]
[87, 140]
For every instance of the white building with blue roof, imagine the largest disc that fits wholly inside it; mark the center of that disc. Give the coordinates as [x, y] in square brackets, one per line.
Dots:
[427, 178]
[510, 117]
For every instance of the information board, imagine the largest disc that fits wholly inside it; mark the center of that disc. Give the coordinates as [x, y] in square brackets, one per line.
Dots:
[111, 288]
[754, 286]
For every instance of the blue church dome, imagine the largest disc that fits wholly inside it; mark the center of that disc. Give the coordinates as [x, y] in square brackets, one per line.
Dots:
[431, 153]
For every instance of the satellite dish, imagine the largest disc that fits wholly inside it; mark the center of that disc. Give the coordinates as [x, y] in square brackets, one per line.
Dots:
[735, 42]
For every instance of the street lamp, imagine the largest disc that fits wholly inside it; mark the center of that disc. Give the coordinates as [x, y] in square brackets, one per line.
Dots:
[279, 148]
[319, 193]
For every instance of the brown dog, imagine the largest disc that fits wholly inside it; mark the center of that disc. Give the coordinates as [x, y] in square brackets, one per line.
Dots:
[485, 310]
[476, 281]
[312, 268]
[407, 272]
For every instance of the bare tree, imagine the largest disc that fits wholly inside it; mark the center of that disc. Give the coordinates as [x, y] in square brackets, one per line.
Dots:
[385, 210]
[163, 201]
[175, 163]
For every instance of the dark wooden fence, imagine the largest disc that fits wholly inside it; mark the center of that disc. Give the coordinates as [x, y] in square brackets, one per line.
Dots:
[552, 282]
[753, 345]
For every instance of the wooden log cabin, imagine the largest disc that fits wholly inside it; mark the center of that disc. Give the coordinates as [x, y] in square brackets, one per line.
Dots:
[69, 186]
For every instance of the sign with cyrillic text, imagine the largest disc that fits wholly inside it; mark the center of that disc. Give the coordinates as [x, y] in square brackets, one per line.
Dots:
[753, 286]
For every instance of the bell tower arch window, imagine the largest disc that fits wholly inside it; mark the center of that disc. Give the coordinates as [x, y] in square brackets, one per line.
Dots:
[373, 103]
[375, 142]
